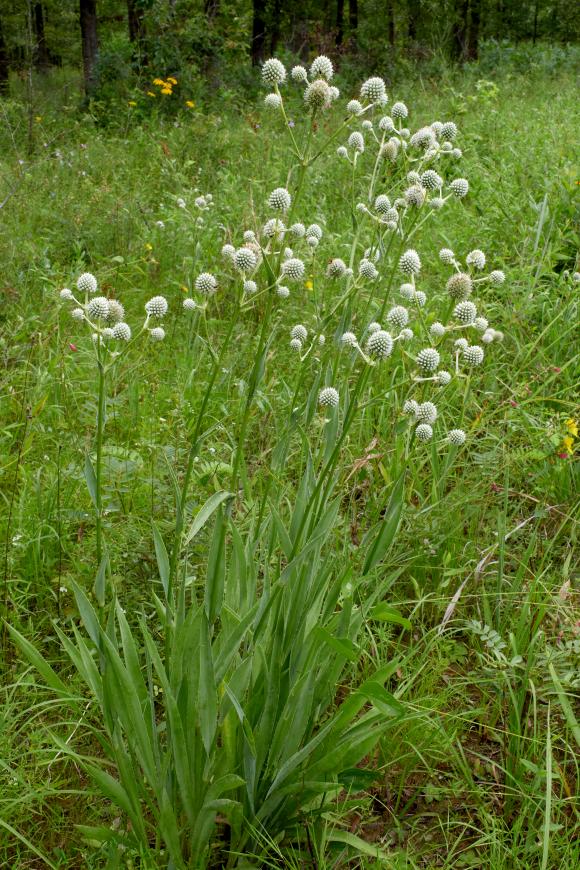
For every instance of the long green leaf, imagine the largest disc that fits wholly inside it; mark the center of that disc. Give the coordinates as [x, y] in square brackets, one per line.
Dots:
[388, 526]
[91, 479]
[38, 661]
[201, 518]
[162, 559]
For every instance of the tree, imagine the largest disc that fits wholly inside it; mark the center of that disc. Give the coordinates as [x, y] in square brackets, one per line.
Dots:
[89, 43]
[353, 19]
[339, 21]
[136, 21]
[472, 47]
[4, 66]
[40, 53]
[258, 31]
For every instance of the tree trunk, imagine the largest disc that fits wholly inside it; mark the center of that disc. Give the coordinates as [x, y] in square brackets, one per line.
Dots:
[459, 34]
[339, 21]
[472, 51]
[353, 19]
[4, 67]
[89, 43]
[211, 9]
[275, 35]
[413, 16]
[391, 22]
[258, 31]
[136, 21]
[40, 52]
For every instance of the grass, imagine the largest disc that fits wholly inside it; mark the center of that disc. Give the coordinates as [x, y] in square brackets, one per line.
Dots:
[481, 770]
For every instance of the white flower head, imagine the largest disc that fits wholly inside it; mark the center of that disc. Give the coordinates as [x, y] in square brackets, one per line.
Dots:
[273, 72]
[156, 307]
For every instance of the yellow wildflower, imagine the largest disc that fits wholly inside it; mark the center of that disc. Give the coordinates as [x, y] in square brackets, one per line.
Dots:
[184, 289]
[148, 247]
[158, 82]
[572, 427]
[38, 118]
[568, 444]
[309, 285]
[166, 91]
[173, 81]
[132, 103]
[151, 94]
[190, 104]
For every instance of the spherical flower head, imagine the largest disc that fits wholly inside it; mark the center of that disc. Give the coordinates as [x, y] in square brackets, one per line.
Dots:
[457, 153]
[349, 339]
[481, 324]
[283, 292]
[66, 293]
[373, 327]
[312, 241]
[77, 314]
[423, 138]
[437, 126]
[274, 227]
[98, 308]
[356, 142]
[497, 277]
[367, 125]
[322, 68]
[382, 204]
[368, 270]
[488, 336]
[317, 95]
[476, 258]
[122, 331]
[272, 101]
[353, 107]
[398, 316]
[447, 256]
[299, 331]
[428, 359]
[443, 378]
[407, 291]
[461, 343]
[399, 110]
[419, 298]
[391, 217]
[249, 236]
[157, 306]
[334, 93]
[415, 196]
[336, 268]
[436, 202]
[299, 74]
[459, 187]
[228, 252]
[413, 177]
[465, 312]
[87, 283]
[459, 285]
[380, 344]
[342, 151]
[250, 287]
[116, 311]
[390, 149]
[328, 397]
[298, 230]
[473, 355]
[157, 334]
[374, 90]
[575, 277]
[280, 199]
[293, 269]
[295, 344]
[410, 262]
[386, 124]
[447, 147]
[406, 334]
[426, 412]
[424, 432]
[314, 230]
[456, 437]
[431, 180]
[448, 131]
[437, 330]
[321, 340]
[107, 333]
[189, 304]
[206, 283]
[273, 72]
[245, 260]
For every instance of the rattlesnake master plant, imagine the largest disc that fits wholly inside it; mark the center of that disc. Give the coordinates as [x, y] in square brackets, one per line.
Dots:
[249, 732]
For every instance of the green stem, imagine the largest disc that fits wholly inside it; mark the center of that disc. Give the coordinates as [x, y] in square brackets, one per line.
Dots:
[99, 461]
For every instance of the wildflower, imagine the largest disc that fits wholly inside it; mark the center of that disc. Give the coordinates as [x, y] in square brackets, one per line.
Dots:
[317, 95]
[349, 339]
[131, 103]
[273, 101]
[148, 246]
[172, 80]
[415, 195]
[328, 397]
[336, 268]
[250, 287]
[356, 142]
[407, 291]
[428, 359]
[374, 90]
[382, 204]
[158, 82]
[386, 124]
[447, 256]
[459, 285]
[314, 230]
[572, 427]
[273, 72]
[66, 293]
[245, 260]
[380, 344]
[98, 308]
[476, 259]
[299, 331]
[293, 268]
[295, 344]
[443, 378]
[426, 412]
[410, 263]
[481, 324]
[497, 277]
[166, 91]
[342, 151]
[190, 104]
[420, 298]
[459, 187]
[406, 334]
[366, 269]
[87, 283]
[465, 312]
[448, 130]
[424, 432]
[373, 327]
[77, 314]
[399, 110]
[280, 199]
[456, 437]
[206, 283]
[121, 331]
[283, 292]
[116, 311]
[228, 251]
[157, 334]
[431, 180]
[398, 316]
[189, 304]
[299, 74]
[473, 355]
[274, 227]
[437, 330]
[322, 68]
[353, 107]
[151, 94]
[309, 285]
[156, 307]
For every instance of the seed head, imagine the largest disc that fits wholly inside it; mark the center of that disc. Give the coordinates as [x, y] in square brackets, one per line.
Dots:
[476, 259]
[87, 283]
[447, 256]
[406, 334]
[410, 263]
[116, 311]
[481, 324]
[437, 330]
[428, 359]
[98, 308]
[431, 180]
[366, 269]
[66, 293]
[299, 331]
[386, 124]
[443, 378]
[228, 252]
[189, 304]
[77, 314]
[461, 343]
[317, 95]
[373, 327]
[459, 187]
[423, 138]
[206, 283]
[398, 316]
[245, 260]
[465, 312]
[336, 268]
[283, 292]
[407, 291]
[273, 72]
[456, 437]
[410, 407]
[424, 432]
[353, 107]
[293, 269]
[399, 110]
[157, 334]
[349, 339]
[156, 307]
[280, 199]
[299, 74]
[380, 344]
[356, 142]
[415, 195]
[272, 101]
[426, 412]
[328, 397]
[250, 287]
[322, 68]
[473, 355]
[459, 285]
[295, 344]
[390, 149]
[419, 298]
[374, 90]
[122, 331]
[449, 131]
[382, 204]
[314, 230]
[497, 277]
